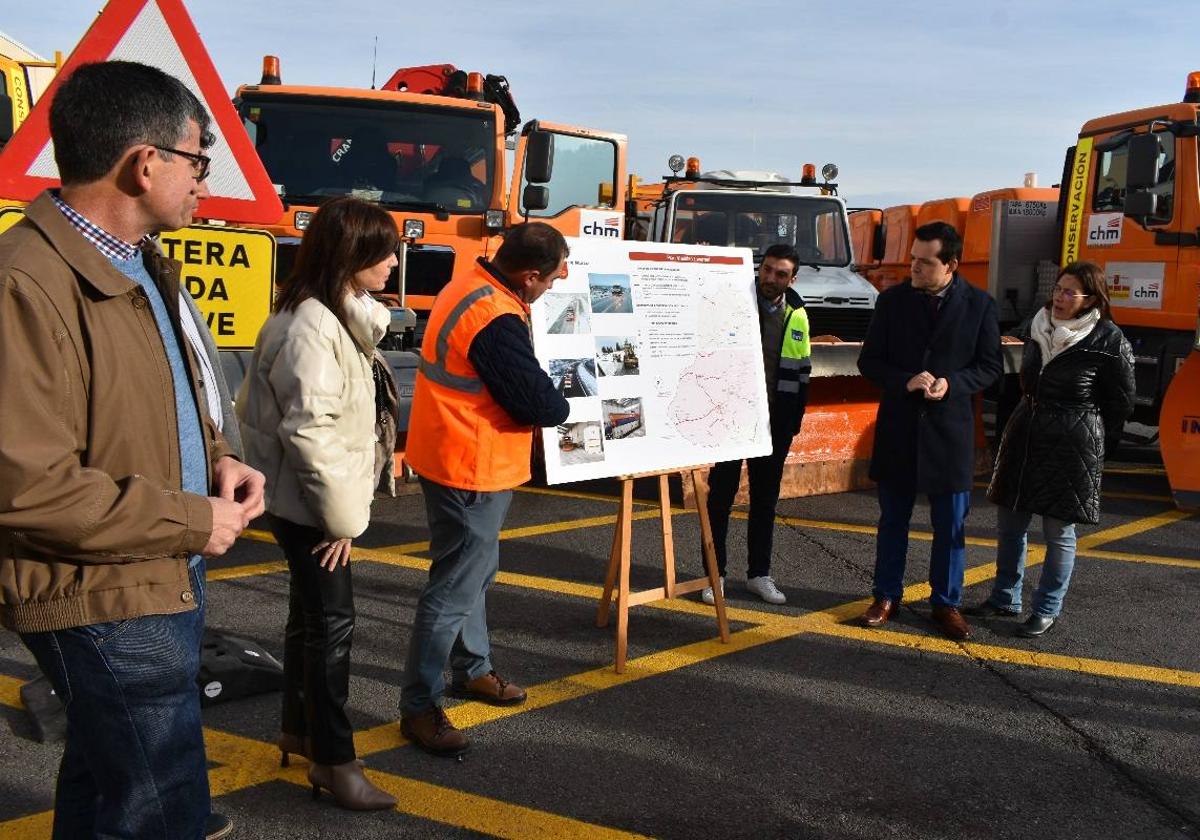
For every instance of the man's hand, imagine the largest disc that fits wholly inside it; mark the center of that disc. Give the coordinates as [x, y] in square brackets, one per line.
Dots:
[920, 382]
[239, 483]
[333, 551]
[229, 520]
[938, 389]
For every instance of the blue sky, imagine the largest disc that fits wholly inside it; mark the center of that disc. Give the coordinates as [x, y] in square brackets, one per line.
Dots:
[912, 101]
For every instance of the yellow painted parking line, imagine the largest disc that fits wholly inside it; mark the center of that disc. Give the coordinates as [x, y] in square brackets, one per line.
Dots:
[10, 692]
[32, 827]
[578, 494]
[569, 525]
[236, 572]
[1130, 529]
[469, 715]
[247, 763]
[1133, 470]
[482, 814]
[1151, 559]
[1011, 656]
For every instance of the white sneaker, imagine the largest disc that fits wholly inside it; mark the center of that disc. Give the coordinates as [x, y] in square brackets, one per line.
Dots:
[764, 587]
[707, 595]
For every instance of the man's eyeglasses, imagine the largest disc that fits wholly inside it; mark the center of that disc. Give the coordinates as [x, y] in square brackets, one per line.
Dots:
[1070, 294]
[200, 163]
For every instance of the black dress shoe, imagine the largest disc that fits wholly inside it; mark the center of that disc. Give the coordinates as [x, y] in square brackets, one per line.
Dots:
[217, 826]
[1036, 625]
[989, 610]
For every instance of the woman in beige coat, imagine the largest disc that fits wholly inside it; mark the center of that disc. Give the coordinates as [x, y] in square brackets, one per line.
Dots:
[307, 412]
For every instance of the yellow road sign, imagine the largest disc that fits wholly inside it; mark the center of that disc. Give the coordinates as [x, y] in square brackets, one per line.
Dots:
[230, 273]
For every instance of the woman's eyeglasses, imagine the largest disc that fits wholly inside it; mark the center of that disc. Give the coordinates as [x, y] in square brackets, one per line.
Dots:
[1070, 294]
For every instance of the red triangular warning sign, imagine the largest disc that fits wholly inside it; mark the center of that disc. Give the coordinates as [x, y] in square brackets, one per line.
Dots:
[159, 33]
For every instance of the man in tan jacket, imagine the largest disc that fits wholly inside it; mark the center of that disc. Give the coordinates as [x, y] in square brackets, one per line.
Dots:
[113, 480]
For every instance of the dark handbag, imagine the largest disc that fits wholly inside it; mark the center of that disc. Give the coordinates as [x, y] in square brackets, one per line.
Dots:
[387, 415]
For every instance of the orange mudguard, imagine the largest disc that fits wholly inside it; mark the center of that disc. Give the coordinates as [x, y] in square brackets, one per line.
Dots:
[1179, 433]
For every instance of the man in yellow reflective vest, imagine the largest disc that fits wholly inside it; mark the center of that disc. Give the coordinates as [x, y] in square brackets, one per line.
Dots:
[480, 393]
[787, 364]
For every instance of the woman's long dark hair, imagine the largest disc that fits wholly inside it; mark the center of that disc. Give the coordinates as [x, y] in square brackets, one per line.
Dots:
[1091, 278]
[345, 236]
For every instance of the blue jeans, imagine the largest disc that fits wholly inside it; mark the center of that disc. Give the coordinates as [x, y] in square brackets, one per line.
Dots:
[451, 620]
[1013, 531]
[947, 557]
[134, 763]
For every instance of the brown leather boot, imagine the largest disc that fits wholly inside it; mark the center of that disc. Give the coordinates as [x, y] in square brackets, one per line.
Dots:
[492, 689]
[433, 732]
[350, 788]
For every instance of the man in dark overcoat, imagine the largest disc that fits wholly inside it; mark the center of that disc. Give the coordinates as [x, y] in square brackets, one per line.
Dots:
[933, 344]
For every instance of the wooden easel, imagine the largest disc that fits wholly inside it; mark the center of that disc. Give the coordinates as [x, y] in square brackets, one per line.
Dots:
[618, 562]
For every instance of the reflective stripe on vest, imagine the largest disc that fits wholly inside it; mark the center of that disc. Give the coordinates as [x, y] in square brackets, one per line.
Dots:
[436, 370]
[795, 364]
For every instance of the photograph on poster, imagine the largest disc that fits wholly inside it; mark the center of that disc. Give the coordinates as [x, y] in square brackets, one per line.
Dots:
[567, 314]
[622, 419]
[610, 294]
[580, 443]
[617, 355]
[575, 377]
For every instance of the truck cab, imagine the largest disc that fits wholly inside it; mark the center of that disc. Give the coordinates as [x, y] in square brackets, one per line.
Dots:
[431, 147]
[756, 209]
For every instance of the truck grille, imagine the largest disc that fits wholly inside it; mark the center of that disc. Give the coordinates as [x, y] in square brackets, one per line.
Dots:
[848, 324]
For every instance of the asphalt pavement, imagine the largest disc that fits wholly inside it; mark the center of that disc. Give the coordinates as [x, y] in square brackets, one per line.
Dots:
[806, 725]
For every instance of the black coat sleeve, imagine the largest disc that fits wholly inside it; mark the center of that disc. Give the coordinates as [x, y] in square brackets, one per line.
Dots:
[1116, 395]
[874, 360]
[987, 364]
[503, 356]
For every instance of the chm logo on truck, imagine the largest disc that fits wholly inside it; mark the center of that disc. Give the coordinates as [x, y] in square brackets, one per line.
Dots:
[1104, 229]
[610, 227]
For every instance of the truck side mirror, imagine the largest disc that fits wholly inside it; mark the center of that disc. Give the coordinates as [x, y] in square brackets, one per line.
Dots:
[1141, 204]
[535, 197]
[539, 157]
[1141, 165]
[878, 243]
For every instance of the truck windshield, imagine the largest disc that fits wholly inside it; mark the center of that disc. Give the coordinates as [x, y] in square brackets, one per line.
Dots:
[397, 154]
[815, 226]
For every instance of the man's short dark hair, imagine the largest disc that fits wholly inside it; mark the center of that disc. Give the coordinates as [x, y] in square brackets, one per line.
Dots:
[532, 246]
[103, 109]
[946, 234]
[784, 251]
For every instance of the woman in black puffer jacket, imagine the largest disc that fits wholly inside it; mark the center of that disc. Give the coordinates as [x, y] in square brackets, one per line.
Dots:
[1077, 391]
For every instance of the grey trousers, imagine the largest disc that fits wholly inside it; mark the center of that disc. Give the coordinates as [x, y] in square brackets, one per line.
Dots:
[451, 621]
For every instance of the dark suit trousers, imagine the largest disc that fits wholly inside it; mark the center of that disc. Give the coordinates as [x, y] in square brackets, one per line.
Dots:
[765, 474]
[316, 647]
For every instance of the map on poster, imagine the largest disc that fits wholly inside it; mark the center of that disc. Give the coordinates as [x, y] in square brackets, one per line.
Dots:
[657, 349]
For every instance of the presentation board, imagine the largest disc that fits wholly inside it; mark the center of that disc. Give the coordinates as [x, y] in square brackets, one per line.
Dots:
[656, 348]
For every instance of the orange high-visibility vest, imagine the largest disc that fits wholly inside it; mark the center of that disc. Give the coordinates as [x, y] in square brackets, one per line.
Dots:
[458, 435]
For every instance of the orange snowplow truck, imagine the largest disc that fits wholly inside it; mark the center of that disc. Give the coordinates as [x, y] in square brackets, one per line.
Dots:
[431, 147]
[1129, 201]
